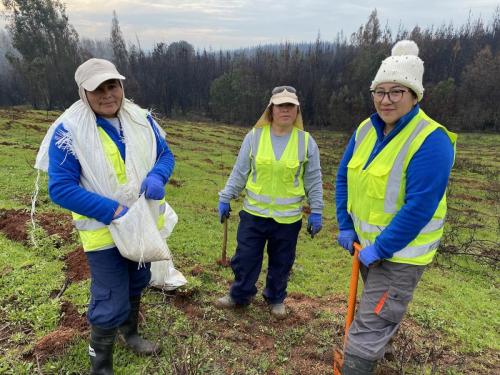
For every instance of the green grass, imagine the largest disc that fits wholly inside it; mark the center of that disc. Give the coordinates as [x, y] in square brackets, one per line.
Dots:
[457, 299]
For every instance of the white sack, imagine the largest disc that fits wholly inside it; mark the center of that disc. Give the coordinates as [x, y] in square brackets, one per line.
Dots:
[136, 235]
[163, 273]
[165, 276]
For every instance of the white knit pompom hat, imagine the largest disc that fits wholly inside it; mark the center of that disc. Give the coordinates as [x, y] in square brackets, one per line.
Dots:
[404, 67]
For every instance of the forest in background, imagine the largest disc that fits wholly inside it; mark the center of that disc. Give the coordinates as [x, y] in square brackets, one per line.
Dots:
[40, 51]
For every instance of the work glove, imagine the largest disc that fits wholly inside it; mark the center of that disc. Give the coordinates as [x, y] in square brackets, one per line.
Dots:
[314, 224]
[346, 239]
[369, 256]
[122, 213]
[153, 187]
[224, 209]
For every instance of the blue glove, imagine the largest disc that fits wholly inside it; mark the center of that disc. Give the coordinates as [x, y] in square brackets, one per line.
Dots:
[346, 239]
[369, 255]
[224, 209]
[153, 186]
[314, 224]
[122, 213]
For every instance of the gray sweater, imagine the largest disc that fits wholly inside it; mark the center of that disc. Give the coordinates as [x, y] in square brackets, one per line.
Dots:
[313, 184]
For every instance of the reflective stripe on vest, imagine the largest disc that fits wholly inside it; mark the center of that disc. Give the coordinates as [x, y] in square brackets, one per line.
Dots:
[255, 147]
[93, 224]
[363, 226]
[362, 134]
[265, 211]
[410, 251]
[301, 152]
[264, 200]
[394, 182]
[94, 234]
[376, 191]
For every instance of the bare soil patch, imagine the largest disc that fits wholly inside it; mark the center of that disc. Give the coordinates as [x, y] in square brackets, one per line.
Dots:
[71, 326]
[54, 343]
[13, 223]
[77, 268]
[174, 182]
[327, 186]
[414, 345]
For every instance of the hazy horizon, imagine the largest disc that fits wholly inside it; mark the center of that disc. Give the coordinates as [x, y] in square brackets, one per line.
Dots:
[235, 24]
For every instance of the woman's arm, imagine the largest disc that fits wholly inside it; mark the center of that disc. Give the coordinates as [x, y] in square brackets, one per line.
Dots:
[313, 182]
[64, 184]
[426, 180]
[238, 178]
[165, 161]
[343, 218]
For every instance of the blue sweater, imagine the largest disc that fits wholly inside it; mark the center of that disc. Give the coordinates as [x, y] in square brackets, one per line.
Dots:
[426, 180]
[64, 175]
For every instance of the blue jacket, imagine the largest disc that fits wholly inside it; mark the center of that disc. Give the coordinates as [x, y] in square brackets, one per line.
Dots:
[64, 175]
[426, 180]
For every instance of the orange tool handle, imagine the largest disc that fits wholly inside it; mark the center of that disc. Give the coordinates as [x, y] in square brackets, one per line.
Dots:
[353, 289]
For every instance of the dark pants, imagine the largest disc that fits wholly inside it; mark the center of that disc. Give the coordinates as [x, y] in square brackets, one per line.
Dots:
[114, 280]
[253, 233]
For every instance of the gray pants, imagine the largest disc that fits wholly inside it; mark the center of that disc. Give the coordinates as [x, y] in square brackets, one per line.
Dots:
[387, 291]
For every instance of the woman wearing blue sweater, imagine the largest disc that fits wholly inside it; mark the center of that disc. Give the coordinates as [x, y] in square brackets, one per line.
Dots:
[391, 198]
[105, 132]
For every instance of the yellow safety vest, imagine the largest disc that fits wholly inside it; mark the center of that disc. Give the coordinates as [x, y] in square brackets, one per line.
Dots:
[94, 234]
[377, 193]
[275, 188]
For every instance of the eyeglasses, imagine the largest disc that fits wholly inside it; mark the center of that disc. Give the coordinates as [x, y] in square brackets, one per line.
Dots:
[279, 89]
[393, 95]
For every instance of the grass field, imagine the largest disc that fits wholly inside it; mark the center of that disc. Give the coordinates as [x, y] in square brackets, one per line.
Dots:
[452, 326]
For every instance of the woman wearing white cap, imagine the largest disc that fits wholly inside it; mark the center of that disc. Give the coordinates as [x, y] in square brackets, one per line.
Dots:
[101, 154]
[278, 165]
[391, 197]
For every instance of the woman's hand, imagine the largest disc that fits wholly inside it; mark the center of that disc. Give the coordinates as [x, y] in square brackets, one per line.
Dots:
[224, 209]
[314, 224]
[346, 239]
[153, 187]
[120, 211]
[369, 256]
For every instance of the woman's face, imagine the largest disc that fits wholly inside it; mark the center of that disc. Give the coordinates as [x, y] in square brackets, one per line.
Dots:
[106, 99]
[397, 102]
[285, 114]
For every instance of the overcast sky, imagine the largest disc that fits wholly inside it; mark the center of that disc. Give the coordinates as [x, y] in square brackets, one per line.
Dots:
[231, 24]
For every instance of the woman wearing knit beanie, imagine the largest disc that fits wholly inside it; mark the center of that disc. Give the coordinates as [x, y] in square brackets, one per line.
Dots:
[391, 198]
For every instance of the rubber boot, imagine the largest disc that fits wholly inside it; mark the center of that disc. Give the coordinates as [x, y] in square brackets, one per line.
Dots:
[101, 346]
[128, 330]
[358, 366]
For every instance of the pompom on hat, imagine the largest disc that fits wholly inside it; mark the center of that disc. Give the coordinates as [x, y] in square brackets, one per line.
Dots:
[403, 67]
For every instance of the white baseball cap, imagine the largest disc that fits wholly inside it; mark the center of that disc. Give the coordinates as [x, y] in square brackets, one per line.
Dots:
[94, 71]
[284, 94]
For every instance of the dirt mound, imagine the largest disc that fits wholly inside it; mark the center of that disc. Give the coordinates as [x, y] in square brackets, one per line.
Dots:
[77, 268]
[56, 223]
[414, 346]
[71, 318]
[302, 308]
[54, 343]
[174, 182]
[13, 223]
[71, 325]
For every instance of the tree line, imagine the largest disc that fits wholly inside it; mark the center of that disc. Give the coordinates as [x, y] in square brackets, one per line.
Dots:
[40, 51]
